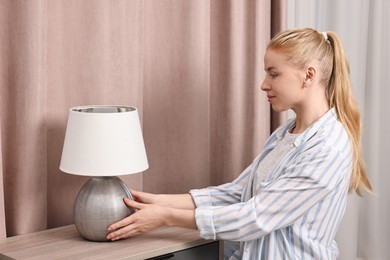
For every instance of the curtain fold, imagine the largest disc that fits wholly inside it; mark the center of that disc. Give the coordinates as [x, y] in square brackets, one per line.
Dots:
[374, 211]
[278, 23]
[23, 114]
[239, 118]
[193, 68]
[176, 100]
[3, 232]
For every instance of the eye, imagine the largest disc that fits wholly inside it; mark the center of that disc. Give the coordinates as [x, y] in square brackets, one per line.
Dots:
[272, 74]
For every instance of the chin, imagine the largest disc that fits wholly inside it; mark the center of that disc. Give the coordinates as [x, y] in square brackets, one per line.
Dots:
[278, 109]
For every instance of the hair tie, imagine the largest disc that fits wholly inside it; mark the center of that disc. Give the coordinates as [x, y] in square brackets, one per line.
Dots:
[325, 34]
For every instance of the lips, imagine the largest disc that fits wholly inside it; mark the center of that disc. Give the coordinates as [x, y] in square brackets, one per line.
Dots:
[270, 98]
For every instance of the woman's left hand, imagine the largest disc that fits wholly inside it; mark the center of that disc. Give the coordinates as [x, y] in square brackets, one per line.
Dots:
[146, 218]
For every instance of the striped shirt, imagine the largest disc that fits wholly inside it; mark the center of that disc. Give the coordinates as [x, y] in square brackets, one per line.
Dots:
[295, 210]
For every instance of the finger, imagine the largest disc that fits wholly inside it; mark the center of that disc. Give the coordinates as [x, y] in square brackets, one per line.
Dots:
[120, 224]
[114, 236]
[138, 195]
[133, 203]
[125, 232]
[135, 193]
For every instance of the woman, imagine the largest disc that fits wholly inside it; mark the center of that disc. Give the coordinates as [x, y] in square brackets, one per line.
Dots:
[289, 202]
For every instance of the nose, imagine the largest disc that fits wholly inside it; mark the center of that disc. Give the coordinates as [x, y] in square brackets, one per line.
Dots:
[265, 86]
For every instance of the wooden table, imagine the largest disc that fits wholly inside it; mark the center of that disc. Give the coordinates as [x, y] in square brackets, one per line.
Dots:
[66, 243]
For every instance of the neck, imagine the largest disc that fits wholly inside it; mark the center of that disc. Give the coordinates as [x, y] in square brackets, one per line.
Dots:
[306, 117]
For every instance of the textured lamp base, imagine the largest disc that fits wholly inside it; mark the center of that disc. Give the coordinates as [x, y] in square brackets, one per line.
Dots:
[100, 204]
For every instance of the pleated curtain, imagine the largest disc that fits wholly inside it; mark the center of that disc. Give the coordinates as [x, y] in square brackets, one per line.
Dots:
[193, 69]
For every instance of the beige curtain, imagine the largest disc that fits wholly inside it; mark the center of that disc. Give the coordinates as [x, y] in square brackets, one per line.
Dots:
[193, 68]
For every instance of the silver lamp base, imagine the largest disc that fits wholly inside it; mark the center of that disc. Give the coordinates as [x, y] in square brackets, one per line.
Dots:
[100, 204]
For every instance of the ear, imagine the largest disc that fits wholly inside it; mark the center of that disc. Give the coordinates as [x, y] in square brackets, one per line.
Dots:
[310, 76]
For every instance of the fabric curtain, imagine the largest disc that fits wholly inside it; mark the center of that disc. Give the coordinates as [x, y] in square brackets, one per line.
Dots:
[2, 210]
[363, 27]
[193, 68]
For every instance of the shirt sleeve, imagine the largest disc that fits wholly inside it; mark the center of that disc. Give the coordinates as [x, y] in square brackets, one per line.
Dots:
[304, 182]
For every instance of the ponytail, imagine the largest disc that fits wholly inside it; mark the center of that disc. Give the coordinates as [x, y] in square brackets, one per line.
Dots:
[340, 97]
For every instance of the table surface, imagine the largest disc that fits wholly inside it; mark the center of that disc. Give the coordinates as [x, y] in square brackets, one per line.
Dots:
[66, 243]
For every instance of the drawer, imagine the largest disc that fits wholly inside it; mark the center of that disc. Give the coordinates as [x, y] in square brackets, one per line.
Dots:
[204, 252]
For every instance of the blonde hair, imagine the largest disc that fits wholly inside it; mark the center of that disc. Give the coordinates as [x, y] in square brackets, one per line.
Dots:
[302, 46]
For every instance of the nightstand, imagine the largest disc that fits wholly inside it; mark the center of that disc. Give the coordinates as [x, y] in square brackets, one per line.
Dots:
[65, 243]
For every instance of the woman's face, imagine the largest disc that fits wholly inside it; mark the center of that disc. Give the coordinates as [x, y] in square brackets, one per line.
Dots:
[283, 83]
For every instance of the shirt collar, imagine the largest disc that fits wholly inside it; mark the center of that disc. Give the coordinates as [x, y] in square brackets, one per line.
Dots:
[311, 130]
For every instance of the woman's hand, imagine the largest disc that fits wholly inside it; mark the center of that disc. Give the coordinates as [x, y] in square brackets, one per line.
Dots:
[178, 201]
[146, 218]
[144, 197]
[149, 216]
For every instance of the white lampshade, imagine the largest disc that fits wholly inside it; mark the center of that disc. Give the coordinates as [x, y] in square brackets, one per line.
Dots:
[103, 141]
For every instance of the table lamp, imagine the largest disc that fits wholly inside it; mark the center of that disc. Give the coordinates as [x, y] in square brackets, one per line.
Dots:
[102, 142]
